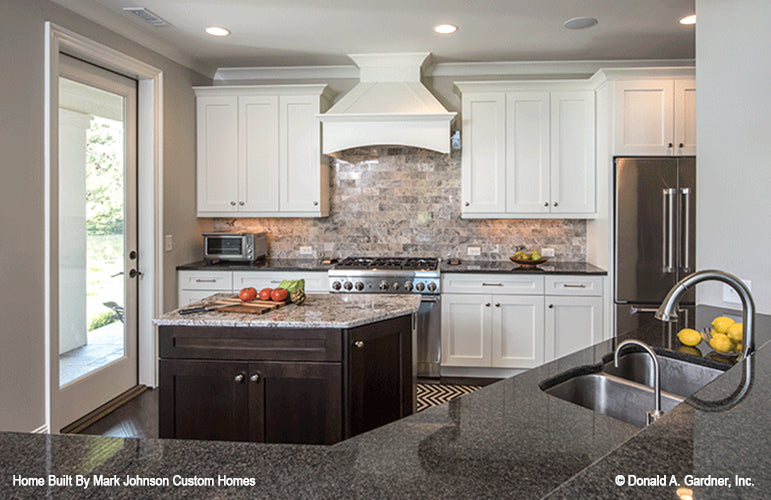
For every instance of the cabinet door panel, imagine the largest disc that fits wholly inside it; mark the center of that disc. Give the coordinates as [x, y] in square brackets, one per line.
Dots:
[518, 331]
[217, 154]
[203, 400]
[483, 172]
[644, 117]
[573, 171]
[466, 330]
[300, 154]
[527, 152]
[258, 153]
[295, 402]
[685, 117]
[572, 323]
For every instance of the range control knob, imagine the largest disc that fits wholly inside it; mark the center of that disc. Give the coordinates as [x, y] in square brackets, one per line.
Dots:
[359, 286]
[408, 286]
[395, 285]
[420, 287]
[432, 287]
[336, 285]
[384, 285]
[348, 285]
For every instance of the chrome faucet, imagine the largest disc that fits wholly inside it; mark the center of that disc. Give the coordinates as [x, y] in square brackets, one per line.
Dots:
[654, 415]
[668, 309]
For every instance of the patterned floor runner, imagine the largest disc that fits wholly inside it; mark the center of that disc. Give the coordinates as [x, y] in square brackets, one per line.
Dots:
[435, 394]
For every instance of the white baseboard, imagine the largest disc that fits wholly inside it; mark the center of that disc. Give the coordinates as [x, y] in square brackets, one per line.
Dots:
[43, 429]
[474, 372]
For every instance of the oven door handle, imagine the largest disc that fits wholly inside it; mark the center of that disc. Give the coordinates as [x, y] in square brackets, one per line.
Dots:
[430, 299]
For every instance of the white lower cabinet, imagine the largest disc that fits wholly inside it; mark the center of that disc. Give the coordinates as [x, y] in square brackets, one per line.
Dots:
[572, 323]
[518, 330]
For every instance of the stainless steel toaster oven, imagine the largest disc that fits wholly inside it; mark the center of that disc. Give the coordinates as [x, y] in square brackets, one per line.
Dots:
[238, 247]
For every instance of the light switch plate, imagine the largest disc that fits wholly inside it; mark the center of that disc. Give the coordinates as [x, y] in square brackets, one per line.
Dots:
[473, 251]
[306, 250]
[730, 296]
[547, 252]
[168, 243]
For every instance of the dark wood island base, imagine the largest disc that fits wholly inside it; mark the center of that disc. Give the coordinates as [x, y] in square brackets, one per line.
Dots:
[284, 385]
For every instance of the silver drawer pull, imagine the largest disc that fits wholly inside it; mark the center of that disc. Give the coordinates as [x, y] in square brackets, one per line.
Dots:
[492, 284]
[569, 285]
[205, 281]
[276, 281]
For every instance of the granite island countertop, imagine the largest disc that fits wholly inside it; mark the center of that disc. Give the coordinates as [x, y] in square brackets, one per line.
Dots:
[318, 311]
[507, 266]
[507, 440]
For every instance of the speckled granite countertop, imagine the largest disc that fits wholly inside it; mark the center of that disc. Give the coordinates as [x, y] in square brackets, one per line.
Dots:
[506, 266]
[508, 440]
[264, 265]
[318, 311]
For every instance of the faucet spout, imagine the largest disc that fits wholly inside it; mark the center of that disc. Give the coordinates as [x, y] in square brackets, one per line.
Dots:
[656, 413]
[667, 311]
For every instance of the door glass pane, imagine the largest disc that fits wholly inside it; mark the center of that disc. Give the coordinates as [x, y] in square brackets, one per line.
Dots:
[91, 229]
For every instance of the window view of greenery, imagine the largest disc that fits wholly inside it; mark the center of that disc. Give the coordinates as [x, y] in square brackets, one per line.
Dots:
[104, 221]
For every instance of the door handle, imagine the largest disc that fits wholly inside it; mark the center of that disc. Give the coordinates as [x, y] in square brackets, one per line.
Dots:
[686, 250]
[635, 310]
[668, 230]
[133, 273]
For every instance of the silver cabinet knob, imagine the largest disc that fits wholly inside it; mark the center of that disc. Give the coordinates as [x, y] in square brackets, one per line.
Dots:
[315, 203]
[497, 304]
[487, 305]
[232, 203]
[359, 344]
[556, 204]
[255, 377]
[241, 203]
[551, 306]
[467, 203]
[546, 203]
[670, 145]
[239, 378]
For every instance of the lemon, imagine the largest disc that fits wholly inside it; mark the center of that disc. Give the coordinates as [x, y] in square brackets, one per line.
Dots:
[689, 336]
[721, 343]
[739, 347]
[735, 332]
[721, 324]
[685, 349]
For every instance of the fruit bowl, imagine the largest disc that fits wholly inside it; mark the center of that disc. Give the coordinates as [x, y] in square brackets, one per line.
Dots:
[529, 263]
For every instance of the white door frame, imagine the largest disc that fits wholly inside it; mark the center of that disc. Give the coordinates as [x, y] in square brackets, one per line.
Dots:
[149, 200]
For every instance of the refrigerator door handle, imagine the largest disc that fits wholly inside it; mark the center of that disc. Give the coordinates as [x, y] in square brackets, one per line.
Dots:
[686, 248]
[635, 309]
[668, 227]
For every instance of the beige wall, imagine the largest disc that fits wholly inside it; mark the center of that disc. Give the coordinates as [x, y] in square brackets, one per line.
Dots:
[733, 110]
[21, 191]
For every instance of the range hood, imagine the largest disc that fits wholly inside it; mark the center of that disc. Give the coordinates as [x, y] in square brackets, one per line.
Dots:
[389, 105]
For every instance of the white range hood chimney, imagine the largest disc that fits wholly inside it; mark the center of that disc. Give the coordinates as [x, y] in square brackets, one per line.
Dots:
[388, 106]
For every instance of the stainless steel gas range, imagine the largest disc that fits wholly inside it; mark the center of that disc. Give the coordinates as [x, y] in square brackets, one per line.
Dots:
[400, 275]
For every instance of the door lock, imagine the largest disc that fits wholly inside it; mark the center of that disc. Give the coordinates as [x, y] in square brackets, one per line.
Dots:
[134, 273]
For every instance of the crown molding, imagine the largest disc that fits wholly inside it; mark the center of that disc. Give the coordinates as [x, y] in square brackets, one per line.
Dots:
[225, 75]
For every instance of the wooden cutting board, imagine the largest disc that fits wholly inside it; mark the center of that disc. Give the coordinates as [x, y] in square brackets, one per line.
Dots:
[253, 307]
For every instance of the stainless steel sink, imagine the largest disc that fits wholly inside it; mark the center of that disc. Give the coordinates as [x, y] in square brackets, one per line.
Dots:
[612, 396]
[677, 377]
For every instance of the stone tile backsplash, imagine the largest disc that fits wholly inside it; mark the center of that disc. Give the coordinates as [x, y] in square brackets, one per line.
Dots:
[401, 201]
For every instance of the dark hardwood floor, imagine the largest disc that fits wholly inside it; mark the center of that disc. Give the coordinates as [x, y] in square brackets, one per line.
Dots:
[136, 419]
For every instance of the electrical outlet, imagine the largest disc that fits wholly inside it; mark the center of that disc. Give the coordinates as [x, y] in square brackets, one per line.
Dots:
[473, 251]
[168, 243]
[306, 250]
[547, 252]
[730, 296]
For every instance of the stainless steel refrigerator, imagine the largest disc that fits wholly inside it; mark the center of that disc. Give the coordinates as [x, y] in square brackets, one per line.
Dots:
[655, 238]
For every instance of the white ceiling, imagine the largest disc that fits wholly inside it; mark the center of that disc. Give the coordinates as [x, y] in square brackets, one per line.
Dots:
[321, 32]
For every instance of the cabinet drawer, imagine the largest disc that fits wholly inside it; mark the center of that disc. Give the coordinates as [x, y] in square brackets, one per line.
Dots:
[265, 344]
[206, 280]
[315, 281]
[574, 285]
[492, 284]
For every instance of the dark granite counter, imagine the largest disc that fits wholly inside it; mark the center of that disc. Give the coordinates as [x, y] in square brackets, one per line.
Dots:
[507, 440]
[264, 265]
[507, 266]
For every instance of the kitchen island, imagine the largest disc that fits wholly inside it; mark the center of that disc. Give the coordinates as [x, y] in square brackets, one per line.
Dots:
[328, 369]
[507, 440]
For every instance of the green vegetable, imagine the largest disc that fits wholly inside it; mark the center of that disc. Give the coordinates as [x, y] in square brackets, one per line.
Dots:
[292, 285]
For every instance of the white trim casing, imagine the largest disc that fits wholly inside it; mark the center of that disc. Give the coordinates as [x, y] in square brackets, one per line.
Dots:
[150, 199]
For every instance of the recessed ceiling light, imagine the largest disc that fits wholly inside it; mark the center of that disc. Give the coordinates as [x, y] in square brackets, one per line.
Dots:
[217, 31]
[445, 29]
[579, 23]
[688, 19]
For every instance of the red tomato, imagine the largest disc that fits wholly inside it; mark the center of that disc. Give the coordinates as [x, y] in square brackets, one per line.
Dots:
[265, 293]
[247, 294]
[279, 294]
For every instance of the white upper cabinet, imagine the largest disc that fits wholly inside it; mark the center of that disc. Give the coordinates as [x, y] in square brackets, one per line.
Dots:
[259, 151]
[528, 152]
[483, 171]
[655, 117]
